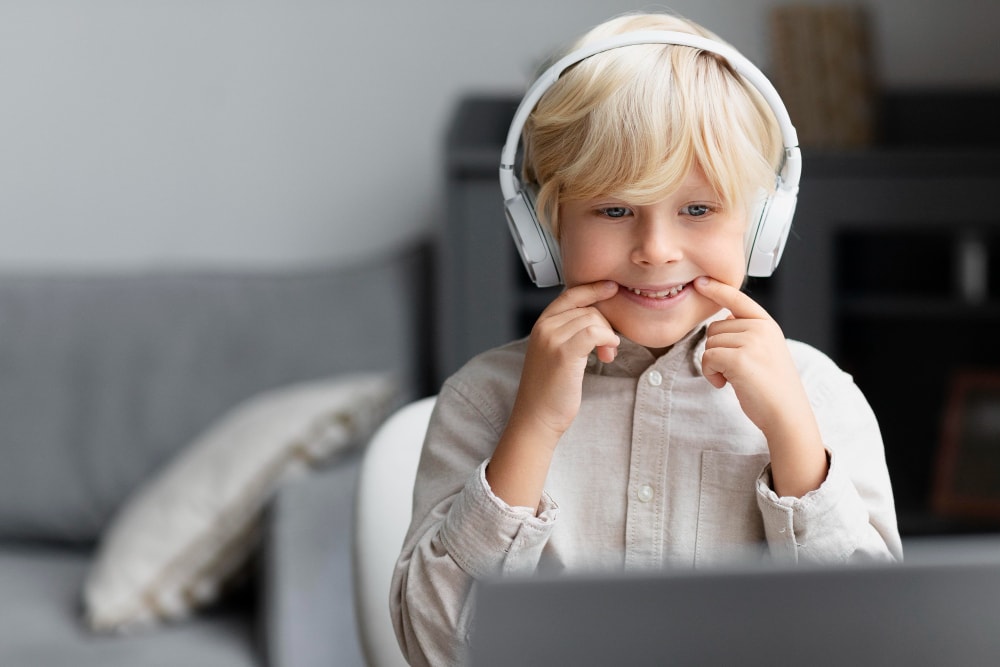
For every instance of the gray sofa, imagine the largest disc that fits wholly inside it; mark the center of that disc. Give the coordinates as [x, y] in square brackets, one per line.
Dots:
[104, 377]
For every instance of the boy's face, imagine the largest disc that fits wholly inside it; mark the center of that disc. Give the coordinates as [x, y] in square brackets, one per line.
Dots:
[656, 250]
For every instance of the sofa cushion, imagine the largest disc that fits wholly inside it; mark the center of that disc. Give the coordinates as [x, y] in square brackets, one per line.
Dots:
[176, 542]
[104, 377]
[40, 622]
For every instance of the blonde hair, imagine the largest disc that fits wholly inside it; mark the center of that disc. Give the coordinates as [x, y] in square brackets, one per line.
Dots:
[634, 121]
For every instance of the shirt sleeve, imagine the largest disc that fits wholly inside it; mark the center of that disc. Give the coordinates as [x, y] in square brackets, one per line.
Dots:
[460, 532]
[489, 538]
[851, 516]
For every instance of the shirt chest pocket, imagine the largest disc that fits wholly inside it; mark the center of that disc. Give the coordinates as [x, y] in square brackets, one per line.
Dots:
[730, 527]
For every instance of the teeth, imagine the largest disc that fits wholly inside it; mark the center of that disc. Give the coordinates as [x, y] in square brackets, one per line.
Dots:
[674, 291]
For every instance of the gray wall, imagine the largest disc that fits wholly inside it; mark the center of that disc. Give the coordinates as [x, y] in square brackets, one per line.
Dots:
[279, 132]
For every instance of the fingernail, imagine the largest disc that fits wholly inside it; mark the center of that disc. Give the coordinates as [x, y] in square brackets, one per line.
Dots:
[701, 281]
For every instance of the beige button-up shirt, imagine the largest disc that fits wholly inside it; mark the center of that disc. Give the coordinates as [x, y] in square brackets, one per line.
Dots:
[658, 470]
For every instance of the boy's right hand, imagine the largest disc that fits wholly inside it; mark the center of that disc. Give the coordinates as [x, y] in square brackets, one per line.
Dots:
[566, 332]
[551, 390]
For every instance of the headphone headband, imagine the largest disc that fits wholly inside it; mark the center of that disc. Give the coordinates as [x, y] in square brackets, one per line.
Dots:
[792, 165]
[769, 221]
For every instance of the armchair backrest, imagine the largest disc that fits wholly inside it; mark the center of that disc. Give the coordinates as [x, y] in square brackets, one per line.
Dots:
[384, 508]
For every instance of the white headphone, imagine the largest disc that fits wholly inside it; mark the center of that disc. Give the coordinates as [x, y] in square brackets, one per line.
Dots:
[770, 220]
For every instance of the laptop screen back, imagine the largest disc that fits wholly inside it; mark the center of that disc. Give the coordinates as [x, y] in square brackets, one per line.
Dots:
[940, 607]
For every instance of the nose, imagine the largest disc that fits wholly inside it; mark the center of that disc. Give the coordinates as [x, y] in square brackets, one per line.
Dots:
[656, 242]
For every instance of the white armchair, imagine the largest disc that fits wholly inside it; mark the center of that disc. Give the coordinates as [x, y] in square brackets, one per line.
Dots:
[384, 506]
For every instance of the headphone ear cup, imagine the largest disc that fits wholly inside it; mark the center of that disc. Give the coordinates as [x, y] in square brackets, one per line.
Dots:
[538, 249]
[770, 223]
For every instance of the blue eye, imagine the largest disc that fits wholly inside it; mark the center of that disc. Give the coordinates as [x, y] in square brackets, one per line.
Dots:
[697, 210]
[614, 211]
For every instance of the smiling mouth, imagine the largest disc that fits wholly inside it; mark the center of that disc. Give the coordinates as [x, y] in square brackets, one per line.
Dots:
[660, 294]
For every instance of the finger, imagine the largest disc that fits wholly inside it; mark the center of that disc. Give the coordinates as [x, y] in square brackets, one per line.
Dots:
[717, 380]
[716, 376]
[728, 339]
[599, 339]
[607, 353]
[716, 364]
[730, 325]
[589, 322]
[581, 296]
[743, 327]
[727, 296]
[577, 332]
[573, 311]
[564, 324]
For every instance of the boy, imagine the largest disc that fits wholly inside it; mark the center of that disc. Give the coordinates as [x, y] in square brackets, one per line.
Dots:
[660, 407]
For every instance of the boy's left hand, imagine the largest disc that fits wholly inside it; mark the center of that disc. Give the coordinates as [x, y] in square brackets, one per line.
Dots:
[748, 350]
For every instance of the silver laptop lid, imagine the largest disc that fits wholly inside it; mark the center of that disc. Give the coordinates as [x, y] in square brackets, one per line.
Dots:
[940, 607]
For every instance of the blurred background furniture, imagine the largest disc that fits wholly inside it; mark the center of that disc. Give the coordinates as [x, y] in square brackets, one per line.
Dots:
[103, 377]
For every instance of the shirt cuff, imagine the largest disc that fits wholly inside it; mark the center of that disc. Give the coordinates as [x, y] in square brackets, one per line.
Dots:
[823, 526]
[487, 537]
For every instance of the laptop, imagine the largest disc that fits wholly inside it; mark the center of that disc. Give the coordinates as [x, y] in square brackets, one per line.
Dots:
[940, 607]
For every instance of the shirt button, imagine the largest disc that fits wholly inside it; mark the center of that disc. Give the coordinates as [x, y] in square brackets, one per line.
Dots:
[655, 378]
[645, 493]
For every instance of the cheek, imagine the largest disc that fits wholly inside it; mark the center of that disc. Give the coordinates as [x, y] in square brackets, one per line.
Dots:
[583, 261]
[735, 250]
[727, 260]
[736, 274]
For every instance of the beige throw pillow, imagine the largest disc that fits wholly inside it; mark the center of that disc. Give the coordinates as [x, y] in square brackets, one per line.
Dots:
[183, 533]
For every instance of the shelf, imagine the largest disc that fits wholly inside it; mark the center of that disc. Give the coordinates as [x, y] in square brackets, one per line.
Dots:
[901, 307]
[925, 523]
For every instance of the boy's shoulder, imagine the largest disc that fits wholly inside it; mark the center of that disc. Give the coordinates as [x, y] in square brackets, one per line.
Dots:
[497, 370]
[807, 352]
[503, 358]
[815, 365]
